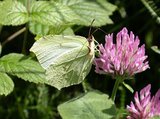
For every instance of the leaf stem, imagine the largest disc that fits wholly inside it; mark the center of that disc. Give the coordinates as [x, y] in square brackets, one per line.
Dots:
[26, 32]
[84, 86]
[10, 38]
[25, 40]
[115, 88]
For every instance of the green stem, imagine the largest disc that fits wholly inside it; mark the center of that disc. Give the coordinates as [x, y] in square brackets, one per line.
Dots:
[26, 32]
[10, 38]
[115, 88]
[84, 86]
[25, 40]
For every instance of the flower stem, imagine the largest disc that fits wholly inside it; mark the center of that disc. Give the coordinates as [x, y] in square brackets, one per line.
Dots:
[115, 88]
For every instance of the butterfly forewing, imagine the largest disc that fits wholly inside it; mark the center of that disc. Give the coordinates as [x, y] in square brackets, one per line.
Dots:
[67, 59]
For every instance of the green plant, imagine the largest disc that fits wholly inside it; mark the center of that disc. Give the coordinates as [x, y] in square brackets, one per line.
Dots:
[42, 18]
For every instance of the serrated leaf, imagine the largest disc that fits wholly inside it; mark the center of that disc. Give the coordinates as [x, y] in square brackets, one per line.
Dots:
[51, 13]
[87, 10]
[12, 12]
[152, 8]
[40, 29]
[6, 84]
[67, 59]
[80, 12]
[92, 105]
[155, 48]
[22, 67]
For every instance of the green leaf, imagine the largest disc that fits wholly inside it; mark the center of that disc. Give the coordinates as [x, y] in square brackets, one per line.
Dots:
[67, 59]
[69, 12]
[152, 8]
[6, 84]
[0, 48]
[87, 10]
[26, 2]
[155, 48]
[92, 105]
[12, 12]
[65, 30]
[40, 29]
[51, 13]
[128, 87]
[68, 31]
[22, 67]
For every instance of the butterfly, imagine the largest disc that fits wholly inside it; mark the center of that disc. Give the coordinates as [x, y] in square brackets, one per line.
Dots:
[67, 60]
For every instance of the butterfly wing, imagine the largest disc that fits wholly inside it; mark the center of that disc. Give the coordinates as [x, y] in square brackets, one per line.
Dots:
[67, 59]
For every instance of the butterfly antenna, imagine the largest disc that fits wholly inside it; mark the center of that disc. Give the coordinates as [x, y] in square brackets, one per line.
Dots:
[99, 29]
[89, 34]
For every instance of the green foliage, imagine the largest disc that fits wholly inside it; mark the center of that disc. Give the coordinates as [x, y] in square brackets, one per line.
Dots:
[44, 16]
[44, 109]
[156, 117]
[12, 13]
[64, 17]
[92, 105]
[88, 10]
[54, 14]
[21, 66]
[0, 48]
[128, 87]
[67, 59]
[155, 48]
[152, 8]
[6, 84]
[40, 29]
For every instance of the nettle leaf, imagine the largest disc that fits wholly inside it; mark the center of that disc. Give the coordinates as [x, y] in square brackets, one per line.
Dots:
[51, 13]
[40, 29]
[92, 105]
[6, 84]
[12, 12]
[22, 67]
[87, 10]
[26, 2]
[69, 12]
[65, 30]
[67, 59]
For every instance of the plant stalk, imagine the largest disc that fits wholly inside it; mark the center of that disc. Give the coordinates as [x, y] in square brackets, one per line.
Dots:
[84, 86]
[25, 40]
[115, 88]
[10, 38]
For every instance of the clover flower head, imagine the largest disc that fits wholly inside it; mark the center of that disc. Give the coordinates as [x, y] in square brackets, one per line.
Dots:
[124, 57]
[144, 106]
